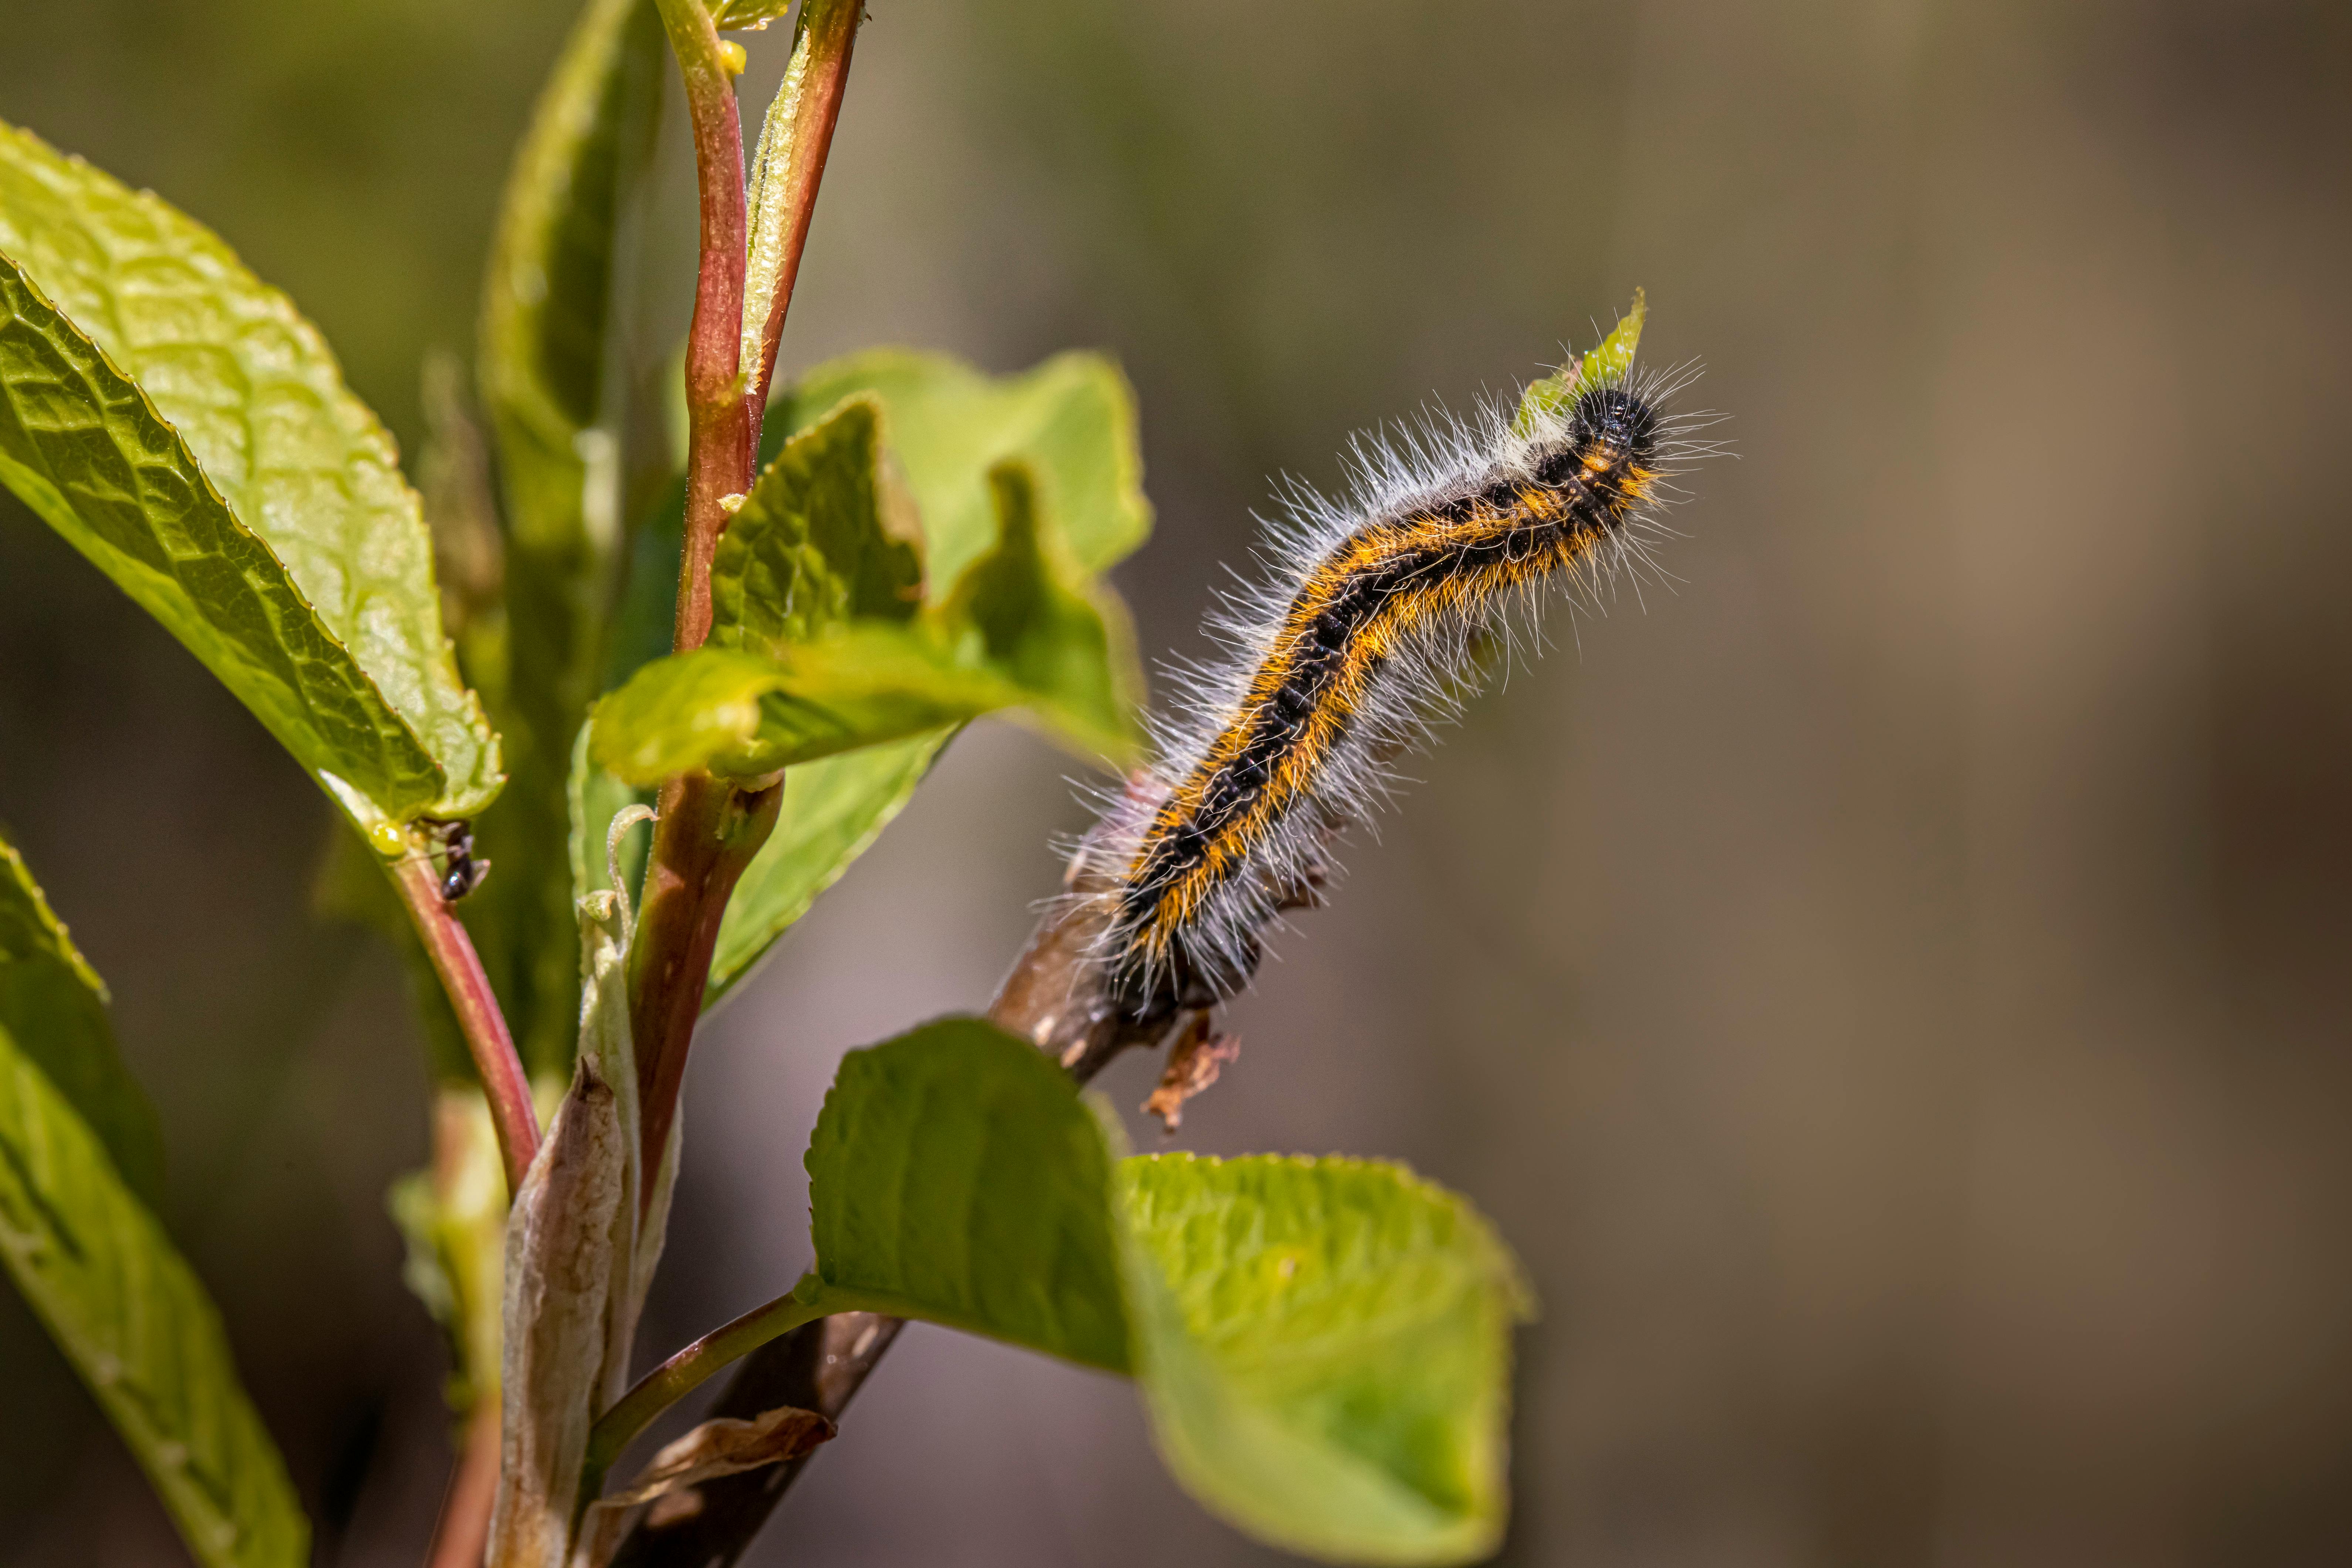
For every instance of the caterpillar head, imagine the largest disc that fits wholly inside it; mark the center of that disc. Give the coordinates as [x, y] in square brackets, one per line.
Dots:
[1615, 420]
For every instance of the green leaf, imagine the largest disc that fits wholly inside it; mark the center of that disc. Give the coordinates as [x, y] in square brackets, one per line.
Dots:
[814, 545]
[833, 810]
[1027, 611]
[820, 542]
[955, 1175]
[1324, 1344]
[745, 714]
[55, 1005]
[1325, 1350]
[102, 1275]
[554, 371]
[186, 429]
[547, 302]
[1020, 630]
[1072, 418]
[1610, 359]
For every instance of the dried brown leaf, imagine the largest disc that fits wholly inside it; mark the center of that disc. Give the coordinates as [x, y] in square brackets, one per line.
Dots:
[727, 1447]
[1199, 1054]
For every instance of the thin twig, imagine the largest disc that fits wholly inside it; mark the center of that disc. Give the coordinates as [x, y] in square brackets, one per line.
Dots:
[684, 1372]
[504, 1084]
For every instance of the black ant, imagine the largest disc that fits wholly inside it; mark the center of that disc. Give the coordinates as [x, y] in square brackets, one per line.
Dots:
[460, 872]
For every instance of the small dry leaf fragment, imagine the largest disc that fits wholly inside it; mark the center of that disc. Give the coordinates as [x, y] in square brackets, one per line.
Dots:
[727, 1447]
[1199, 1054]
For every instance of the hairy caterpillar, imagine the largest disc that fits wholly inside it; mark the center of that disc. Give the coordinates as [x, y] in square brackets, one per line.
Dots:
[1366, 628]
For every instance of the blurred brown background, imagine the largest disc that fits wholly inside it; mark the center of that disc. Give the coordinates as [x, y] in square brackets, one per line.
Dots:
[1891, 990]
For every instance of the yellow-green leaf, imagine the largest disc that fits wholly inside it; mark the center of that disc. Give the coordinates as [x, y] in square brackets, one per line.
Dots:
[1072, 418]
[814, 545]
[1326, 1358]
[183, 427]
[119, 1299]
[1608, 360]
[55, 1005]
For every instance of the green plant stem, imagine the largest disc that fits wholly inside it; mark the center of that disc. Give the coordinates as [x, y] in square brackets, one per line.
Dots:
[688, 1370]
[793, 150]
[504, 1084]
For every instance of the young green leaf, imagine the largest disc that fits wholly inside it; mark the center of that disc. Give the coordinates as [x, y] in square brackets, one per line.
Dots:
[1072, 418]
[113, 1292]
[186, 429]
[1020, 629]
[816, 545]
[1026, 610]
[55, 1005]
[552, 365]
[956, 1175]
[1325, 1352]
[744, 714]
[1612, 357]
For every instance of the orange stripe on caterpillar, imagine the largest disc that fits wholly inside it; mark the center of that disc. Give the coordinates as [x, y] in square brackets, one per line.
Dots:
[1371, 625]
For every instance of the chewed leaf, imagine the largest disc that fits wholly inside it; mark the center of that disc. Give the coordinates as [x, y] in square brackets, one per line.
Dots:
[186, 429]
[1325, 1350]
[1608, 359]
[1072, 418]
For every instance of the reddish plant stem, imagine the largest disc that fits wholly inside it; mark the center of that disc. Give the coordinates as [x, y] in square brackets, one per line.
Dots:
[828, 31]
[700, 842]
[720, 446]
[709, 829]
[707, 835]
[464, 1531]
[504, 1084]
